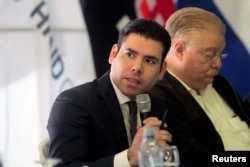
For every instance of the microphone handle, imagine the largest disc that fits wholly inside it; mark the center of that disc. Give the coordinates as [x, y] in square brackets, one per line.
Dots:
[144, 115]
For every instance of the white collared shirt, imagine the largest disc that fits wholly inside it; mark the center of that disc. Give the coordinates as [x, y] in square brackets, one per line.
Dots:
[234, 132]
[125, 110]
[121, 159]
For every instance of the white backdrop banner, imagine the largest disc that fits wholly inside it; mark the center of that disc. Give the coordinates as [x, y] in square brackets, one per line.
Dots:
[44, 50]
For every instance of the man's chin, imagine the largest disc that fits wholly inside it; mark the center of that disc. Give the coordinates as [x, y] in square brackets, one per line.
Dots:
[211, 76]
[210, 79]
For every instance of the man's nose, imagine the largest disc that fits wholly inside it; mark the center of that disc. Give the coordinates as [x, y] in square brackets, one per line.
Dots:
[217, 62]
[137, 66]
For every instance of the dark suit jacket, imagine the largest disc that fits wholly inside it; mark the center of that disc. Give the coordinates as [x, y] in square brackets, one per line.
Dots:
[192, 130]
[86, 124]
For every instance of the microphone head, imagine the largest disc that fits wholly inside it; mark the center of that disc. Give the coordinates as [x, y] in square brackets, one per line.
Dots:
[143, 103]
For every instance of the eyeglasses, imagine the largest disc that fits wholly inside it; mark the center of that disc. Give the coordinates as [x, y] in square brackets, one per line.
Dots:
[210, 57]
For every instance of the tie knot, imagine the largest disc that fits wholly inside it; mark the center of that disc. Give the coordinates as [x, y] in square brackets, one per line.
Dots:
[132, 106]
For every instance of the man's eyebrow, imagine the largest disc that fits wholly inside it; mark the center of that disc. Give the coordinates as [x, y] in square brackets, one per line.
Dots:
[210, 49]
[131, 50]
[152, 58]
[146, 56]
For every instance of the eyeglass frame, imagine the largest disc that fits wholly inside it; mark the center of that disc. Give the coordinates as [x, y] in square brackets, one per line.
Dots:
[213, 56]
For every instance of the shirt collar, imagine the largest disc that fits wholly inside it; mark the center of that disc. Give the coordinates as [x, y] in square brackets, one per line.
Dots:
[120, 96]
[192, 91]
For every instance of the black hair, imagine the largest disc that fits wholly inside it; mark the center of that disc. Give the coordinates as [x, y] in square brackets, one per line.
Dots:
[149, 29]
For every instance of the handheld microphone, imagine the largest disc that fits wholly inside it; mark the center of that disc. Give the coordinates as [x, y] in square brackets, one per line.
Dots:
[144, 105]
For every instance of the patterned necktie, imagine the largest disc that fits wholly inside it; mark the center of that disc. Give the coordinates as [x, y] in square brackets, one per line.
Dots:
[132, 118]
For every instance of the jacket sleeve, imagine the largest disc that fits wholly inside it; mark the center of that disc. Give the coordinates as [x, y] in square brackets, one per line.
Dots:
[69, 130]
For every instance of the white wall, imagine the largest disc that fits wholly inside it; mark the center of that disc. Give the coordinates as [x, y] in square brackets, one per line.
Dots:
[27, 88]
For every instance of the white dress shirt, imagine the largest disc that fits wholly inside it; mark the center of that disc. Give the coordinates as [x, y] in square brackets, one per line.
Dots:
[121, 159]
[234, 132]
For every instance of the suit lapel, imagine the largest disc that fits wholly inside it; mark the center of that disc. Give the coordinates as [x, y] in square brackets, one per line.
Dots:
[180, 92]
[112, 111]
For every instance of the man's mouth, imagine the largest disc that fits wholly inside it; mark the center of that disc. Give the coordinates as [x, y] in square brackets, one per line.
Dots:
[134, 81]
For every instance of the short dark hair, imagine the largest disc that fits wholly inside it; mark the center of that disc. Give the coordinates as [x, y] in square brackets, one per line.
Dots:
[149, 29]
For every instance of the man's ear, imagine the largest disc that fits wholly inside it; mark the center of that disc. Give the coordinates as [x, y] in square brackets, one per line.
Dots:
[179, 49]
[113, 53]
[163, 70]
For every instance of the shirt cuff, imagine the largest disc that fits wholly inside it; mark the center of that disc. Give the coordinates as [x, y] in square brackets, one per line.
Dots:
[121, 159]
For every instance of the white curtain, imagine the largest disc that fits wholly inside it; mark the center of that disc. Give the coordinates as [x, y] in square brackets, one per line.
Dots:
[44, 49]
